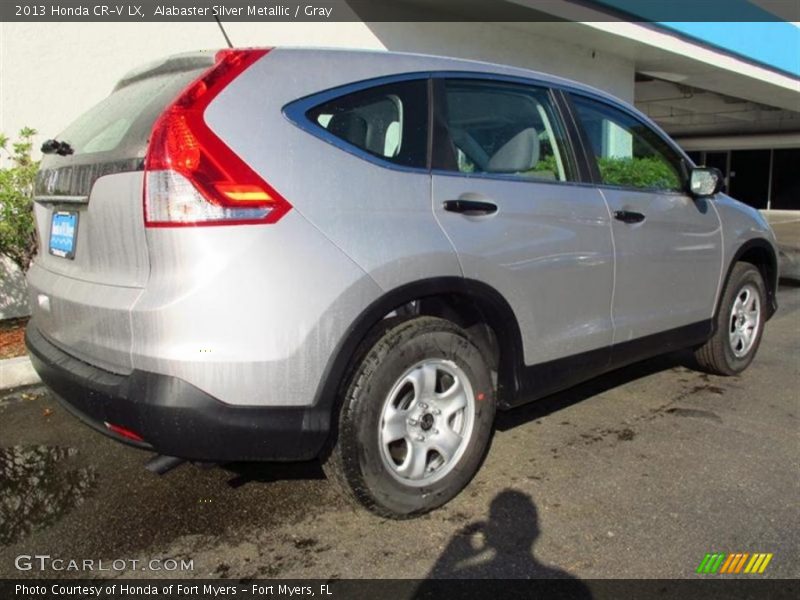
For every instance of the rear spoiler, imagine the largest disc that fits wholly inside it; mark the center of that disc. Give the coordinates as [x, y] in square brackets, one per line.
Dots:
[178, 63]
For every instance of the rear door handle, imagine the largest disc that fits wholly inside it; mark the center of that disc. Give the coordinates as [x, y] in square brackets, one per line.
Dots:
[628, 216]
[470, 207]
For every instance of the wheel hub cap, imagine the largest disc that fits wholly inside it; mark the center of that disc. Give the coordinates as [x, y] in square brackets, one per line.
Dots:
[745, 320]
[427, 422]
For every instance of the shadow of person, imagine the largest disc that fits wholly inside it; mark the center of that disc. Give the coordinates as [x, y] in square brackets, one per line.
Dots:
[500, 548]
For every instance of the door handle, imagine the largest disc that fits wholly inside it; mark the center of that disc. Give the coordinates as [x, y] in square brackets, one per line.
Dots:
[628, 216]
[470, 207]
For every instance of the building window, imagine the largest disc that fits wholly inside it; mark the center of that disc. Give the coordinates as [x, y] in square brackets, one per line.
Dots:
[765, 179]
[785, 179]
[749, 177]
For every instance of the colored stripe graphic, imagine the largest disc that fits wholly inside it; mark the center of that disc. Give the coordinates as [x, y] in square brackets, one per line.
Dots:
[726, 565]
[758, 563]
[722, 563]
[703, 563]
[711, 563]
[741, 562]
[732, 559]
[765, 563]
[716, 565]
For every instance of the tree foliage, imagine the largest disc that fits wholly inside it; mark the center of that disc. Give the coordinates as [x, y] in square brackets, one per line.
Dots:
[17, 175]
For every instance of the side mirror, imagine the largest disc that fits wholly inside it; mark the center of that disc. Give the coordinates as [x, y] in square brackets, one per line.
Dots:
[705, 181]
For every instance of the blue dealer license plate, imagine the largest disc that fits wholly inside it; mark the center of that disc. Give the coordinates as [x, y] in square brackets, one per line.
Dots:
[63, 233]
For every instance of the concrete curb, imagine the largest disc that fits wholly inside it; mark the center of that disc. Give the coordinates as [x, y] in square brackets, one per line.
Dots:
[16, 372]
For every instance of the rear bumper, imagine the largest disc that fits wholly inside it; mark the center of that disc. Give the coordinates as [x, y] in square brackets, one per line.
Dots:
[174, 417]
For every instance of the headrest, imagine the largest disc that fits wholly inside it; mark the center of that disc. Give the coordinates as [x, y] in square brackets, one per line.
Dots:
[520, 153]
[349, 126]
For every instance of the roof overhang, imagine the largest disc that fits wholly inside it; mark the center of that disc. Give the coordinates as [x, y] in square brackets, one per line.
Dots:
[666, 54]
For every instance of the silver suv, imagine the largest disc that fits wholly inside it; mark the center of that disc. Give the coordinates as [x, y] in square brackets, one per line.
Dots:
[286, 254]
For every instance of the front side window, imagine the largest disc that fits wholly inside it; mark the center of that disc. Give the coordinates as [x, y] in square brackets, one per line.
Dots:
[503, 128]
[388, 121]
[628, 152]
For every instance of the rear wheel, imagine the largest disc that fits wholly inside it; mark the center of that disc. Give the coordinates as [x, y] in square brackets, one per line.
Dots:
[740, 323]
[416, 419]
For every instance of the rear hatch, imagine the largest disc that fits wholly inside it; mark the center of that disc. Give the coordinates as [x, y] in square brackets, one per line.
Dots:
[93, 262]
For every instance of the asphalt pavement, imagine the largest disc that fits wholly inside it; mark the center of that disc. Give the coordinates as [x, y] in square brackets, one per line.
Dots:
[637, 474]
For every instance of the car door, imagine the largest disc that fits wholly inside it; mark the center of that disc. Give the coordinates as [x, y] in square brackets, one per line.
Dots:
[668, 245]
[505, 190]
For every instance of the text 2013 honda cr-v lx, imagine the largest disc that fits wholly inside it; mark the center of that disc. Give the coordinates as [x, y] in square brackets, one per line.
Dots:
[283, 254]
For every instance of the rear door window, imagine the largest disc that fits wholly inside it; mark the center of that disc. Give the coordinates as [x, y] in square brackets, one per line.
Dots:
[389, 122]
[502, 128]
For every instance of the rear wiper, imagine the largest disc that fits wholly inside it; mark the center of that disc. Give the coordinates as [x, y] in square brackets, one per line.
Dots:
[56, 147]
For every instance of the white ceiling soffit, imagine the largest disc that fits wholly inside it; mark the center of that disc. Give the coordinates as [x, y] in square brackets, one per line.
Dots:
[672, 57]
[737, 142]
[684, 110]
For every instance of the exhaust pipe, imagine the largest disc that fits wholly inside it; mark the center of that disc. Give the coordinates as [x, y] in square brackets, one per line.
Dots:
[161, 464]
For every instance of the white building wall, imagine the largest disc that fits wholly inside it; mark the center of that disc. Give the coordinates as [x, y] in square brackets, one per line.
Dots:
[549, 47]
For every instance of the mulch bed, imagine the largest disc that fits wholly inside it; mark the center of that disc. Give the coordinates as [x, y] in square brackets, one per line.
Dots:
[12, 338]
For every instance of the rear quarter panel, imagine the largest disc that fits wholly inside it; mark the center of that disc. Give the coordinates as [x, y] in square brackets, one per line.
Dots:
[249, 314]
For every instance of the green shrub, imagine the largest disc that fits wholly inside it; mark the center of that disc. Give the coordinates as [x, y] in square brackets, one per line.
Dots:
[547, 163]
[17, 229]
[648, 172]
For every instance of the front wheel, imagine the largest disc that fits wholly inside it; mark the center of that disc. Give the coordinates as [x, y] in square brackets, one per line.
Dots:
[739, 325]
[416, 419]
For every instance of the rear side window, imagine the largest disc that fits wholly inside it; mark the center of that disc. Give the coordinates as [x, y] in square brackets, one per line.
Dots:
[503, 128]
[628, 152]
[388, 121]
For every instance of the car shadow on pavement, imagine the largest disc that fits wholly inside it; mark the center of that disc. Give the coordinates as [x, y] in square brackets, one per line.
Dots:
[243, 473]
[541, 408]
[500, 547]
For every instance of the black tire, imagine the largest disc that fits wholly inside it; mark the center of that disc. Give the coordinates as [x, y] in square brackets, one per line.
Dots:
[717, 355]
[357, 461]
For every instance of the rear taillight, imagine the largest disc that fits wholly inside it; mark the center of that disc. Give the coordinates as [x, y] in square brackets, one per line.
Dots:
[191, 177]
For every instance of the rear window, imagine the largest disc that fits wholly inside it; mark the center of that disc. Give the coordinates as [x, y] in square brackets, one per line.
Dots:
[387, 121]
[121, 123]
[112, 136]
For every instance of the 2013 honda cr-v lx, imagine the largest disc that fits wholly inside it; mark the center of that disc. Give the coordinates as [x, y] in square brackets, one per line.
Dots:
[284, 254]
